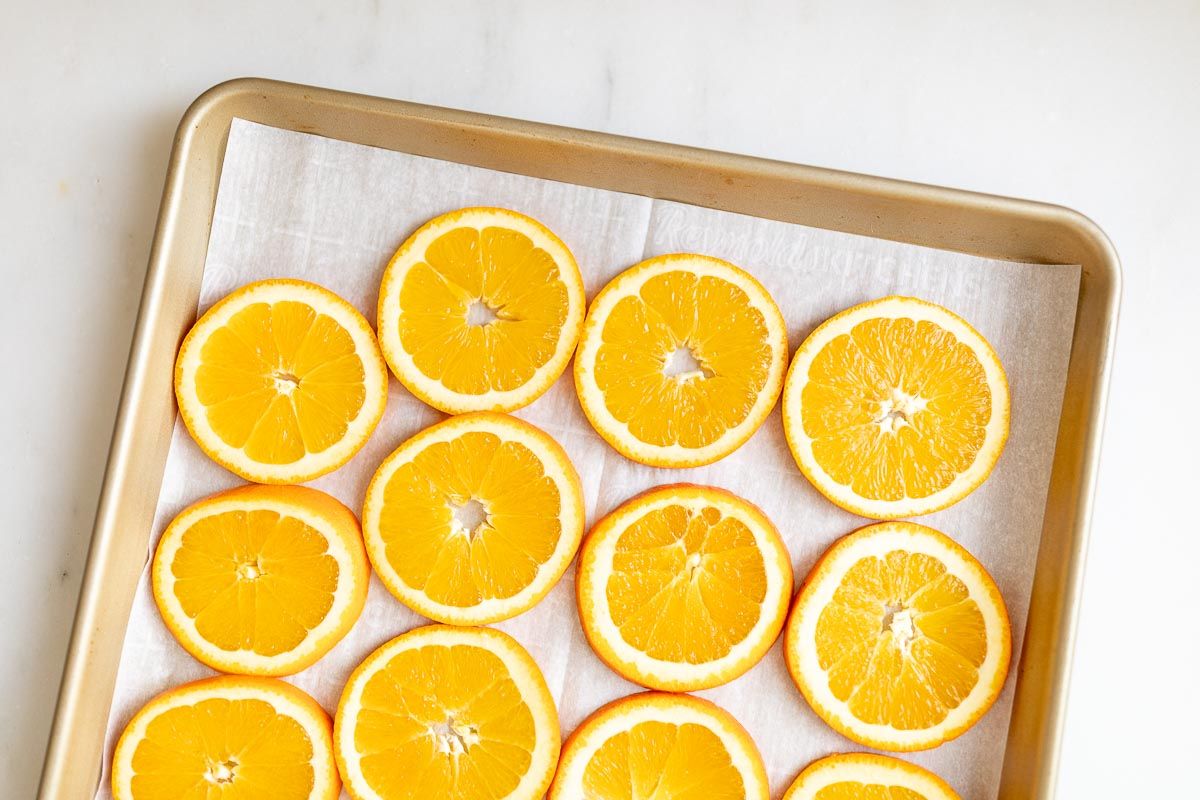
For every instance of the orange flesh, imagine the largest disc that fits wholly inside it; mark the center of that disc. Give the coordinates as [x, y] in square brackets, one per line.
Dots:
[444, 722]
[254, 580]
[686, 586]
[895, 408]
[853, 790]
[517, 283]
[713, 321]
[279, 381]
[901, 641]
[223, 750]
[454, 566]
[662, 761]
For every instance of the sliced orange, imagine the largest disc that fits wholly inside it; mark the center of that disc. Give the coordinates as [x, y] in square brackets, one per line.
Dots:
[683, 587]
[895, 407]
[657, 746]
[480, 310]
[899, 638]
[281, 381]
[227, 737]
[449, 713]
[474, 519]
[261, 580]
[681, 360]
[867, 776]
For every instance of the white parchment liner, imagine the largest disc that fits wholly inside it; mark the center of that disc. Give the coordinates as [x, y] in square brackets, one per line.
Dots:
[299, 205]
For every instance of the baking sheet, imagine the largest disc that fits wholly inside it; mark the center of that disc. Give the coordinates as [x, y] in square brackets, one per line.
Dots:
[333, 212]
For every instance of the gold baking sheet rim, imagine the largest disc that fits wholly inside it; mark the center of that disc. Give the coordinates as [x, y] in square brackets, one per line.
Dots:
[968, 222]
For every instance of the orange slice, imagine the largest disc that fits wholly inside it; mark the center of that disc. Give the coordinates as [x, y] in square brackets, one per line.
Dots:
[895, 407]
[899, 638]
[280, 381]
[480, 310]
[683, 587]
[474, 519]
[448, 713]
[654, 746]
[261, 580]
[866, 776]
[227, 737]
[681, 360]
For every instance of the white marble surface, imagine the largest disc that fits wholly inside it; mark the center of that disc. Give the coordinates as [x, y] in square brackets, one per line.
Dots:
[1093, 107]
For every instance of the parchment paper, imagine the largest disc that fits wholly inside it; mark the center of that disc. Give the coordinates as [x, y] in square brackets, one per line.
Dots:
[299, 205]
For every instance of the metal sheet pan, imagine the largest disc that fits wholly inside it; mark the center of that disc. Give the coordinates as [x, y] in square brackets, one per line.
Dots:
[978, 224]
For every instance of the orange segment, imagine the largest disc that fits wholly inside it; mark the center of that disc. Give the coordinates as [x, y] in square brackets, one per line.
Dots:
[455, 713]
[896, 407]
[867, 776]
[281, 381]
[474, 519]
[684, 587]
[480, 310]
[681, 359]
[899, 638]
[657, 745]
[261, 579]
[228, 737]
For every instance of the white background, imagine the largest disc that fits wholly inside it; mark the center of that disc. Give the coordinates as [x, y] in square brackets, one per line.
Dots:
[1092, 105]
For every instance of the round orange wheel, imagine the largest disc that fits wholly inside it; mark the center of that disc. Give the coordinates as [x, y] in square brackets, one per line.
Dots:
[450, 712]
[858, 776]
[261, 580]
[474, 519]
[681, 360]
[281, 381]
[667, 743]
[227, 736]
[895, 408]
[480, 310]
[899, 638]
[683, 587]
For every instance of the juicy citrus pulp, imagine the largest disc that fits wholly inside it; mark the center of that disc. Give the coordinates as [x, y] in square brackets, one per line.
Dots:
[867, 776]
[681, 360]
[261, 580]
[899, 638]
[474, 519]
[281, 381]
[227, 737]
[683, 587]
[452, 713]
[480, 310]
[895, 407]
[655, 745]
